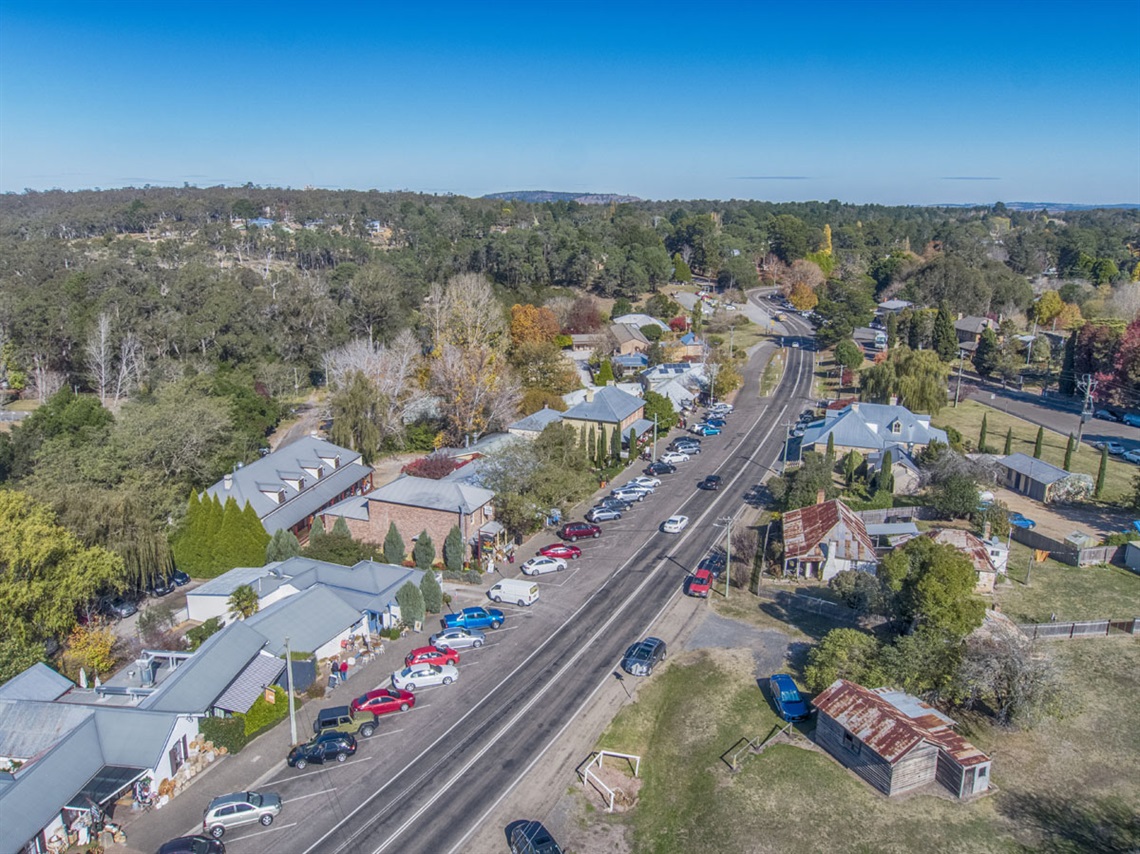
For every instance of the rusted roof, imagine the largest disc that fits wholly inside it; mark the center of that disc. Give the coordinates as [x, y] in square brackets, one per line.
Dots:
[806, 528]
[892, 723]
[968, 544]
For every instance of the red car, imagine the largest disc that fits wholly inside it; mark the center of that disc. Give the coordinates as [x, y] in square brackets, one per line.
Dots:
[384, 700]
[562, 550]
[698, 583]
[431, 655]
[574, 531]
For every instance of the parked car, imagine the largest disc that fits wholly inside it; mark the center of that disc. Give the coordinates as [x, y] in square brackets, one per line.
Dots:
[383, 701]
[531, 837]
[798, 432]
[634, 486]
[618, 504]
[539, 565]
[574, 531]
[326, 747]
[721, 407]
[561, 550]
[716, 422]
[711, 481]
[789, 704]
[431, 655]
[714, 564]
[698, 584]
[643, 656]
[474, 618]
[685, 446]
[675, 524]
[1019, 521]
[423, 675]
[659, 468]
[458, 637]
[240, 808]
[192, 845]
[161, 586]
[1132, 456]
[706, 430]
[674, 457]
[646, 481]
[628, 494]
[1106, 415]
[181, 579]
[602, 514]
[344, 720]
[121, 607]
[1131, 420]
[1114, 448]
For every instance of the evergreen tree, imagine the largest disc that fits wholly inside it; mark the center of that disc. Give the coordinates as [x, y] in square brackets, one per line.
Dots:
[892, 330]
[982, 434]
[887, 474]
[1037, 444]
[605, 374]
[282, 546]
[254, 538]
[615, 444]
[411, 602]
[945, 338]
[453, 550]
[188, 552]
[317, 532]
[340, 528]
[600, 450]
[1101, 472]
[394, 550]
[423, 552]
[831, 449]
[987, 355]
[230, 540]
[432, 592]
[592, 445]
[582, 440]
[1067, 466]
[1068, 380]
[1008, 441]
[851, 465]
[681, 271]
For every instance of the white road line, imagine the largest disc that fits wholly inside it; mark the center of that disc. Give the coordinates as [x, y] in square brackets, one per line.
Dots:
[314, 794]
[273, 828]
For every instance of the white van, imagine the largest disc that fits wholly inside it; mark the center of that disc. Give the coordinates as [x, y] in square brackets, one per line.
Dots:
[517, 590]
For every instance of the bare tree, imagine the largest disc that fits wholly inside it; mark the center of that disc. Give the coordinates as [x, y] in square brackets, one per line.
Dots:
[466, 313]
[100, 356]
[45, 381]
[1011, 674]
[130, 365]
[476, 390]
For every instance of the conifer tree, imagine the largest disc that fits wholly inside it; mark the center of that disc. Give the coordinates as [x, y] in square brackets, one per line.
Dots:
[600, 450]
[1037, 444]
[432, 592]
[945, 339]
[592, 445]
[982, 434]
[1101, 472]
[282, 546]
[340, 528]
[254, 538]
[615, 444]
[394, 550]
[188, 547]
[1067, 466]
[851, 466]
[1008, 441]
[892, 330]
[423, 552]
[887, 474]
[227, 545]
[453, 550]
[831, 450]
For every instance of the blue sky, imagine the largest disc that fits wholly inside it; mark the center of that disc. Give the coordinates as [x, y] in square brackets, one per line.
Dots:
[884, 102]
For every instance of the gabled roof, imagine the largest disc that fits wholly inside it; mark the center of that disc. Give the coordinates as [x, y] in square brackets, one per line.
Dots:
[871, 426]
[625, 332]
[321, 469]
[38, 682]
[262, 579]
[536, 422]
[610, 405]
[974, 325]
[968, 544]
[309, 619]
[640, 320]
[249, 684]
[895, 305]
[805, 529]
[196, 683]
[632, 361]
[446, 495]
[367, 586]
[1033, 468]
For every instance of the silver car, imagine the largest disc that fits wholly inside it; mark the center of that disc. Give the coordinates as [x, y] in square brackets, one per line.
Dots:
[458, 638]
[238, 808]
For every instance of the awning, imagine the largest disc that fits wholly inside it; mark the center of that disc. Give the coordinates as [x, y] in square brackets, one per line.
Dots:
[491, 530]
[105, 785]
[250, 683]
[641, 425]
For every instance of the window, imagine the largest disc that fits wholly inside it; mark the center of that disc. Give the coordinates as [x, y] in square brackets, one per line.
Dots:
[896, 427]
[982, 772]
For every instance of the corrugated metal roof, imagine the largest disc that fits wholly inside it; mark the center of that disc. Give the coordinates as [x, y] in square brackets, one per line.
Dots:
[805, 529]
[29, 727]
[1033, 468]
[873, 426]
[250, 683]
[310, 619]
[196, 683]
[259, 578]
[610, 405]
[312, 499]
[968, 544]
[444, 495]
[536, 422]
[640, 320]
[38, 682]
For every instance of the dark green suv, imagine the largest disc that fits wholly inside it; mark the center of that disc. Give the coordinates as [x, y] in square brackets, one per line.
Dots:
[342, 719]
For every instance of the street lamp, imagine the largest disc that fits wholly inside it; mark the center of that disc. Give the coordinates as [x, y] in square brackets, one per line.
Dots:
[726, 523]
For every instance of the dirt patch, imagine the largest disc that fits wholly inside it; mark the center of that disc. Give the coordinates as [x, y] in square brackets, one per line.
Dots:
[1060, 520]
[769, 647]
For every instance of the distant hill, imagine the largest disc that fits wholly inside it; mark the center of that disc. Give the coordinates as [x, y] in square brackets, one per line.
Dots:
[1054, 207]
[538, 196]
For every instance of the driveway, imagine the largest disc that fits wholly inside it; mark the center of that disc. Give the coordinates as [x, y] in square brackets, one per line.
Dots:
[1060, 520]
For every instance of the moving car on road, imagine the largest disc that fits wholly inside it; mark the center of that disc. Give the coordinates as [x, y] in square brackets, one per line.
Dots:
[474, 618]
[383, 701]
[675, 524]
[329, 746]
[458, 637]
[1131, 420]
[789, 705]
[640, 659]
[561, 550]
[711, 481]
[423, 675]
[574, 531]
[240, 808]
[539, 565]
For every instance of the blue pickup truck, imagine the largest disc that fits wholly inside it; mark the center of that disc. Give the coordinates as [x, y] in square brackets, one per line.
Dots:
[474, 618]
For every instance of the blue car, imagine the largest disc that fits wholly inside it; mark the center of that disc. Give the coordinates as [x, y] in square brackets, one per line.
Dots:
[706, 430]
[474, 618]
[1019, 521]
[716, 422]
[789, 704]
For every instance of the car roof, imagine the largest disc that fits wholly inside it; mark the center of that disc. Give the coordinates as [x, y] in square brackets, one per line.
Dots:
[231, 798]
[784, 681]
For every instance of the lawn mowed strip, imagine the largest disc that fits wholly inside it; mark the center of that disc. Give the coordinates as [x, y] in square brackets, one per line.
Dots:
[1101, 592]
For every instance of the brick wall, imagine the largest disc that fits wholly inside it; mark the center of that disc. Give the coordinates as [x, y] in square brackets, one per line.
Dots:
[410, 521]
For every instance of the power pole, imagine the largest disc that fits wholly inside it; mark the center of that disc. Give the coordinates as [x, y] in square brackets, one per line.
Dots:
[289, 683]
[1087, 384]
[726, 523]
[654, 437]
[961, 362]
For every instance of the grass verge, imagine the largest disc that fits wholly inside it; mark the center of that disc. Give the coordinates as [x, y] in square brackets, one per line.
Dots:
[773, 371]
[1072, 593]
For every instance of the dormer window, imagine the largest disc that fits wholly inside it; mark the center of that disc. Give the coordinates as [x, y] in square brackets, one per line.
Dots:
[896, 426]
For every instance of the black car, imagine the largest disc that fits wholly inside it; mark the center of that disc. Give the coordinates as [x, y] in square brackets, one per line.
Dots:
[180, 578]
[161, 586]
[712, 482]
[659, 468]
[121, 607]
[611, 503]
[714, 563]
[326, 747]
[193, 845]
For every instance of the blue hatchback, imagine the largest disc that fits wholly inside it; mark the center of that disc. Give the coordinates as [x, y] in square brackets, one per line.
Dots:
[1019, 521]
[706, 430]
[789, 704]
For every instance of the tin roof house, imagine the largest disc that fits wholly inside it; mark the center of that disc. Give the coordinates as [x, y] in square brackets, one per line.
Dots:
[826, 539]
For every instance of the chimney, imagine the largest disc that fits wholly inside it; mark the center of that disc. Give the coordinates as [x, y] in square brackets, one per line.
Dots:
[227, 482]
[820, 497]
[986, 530]
[893, 400]
[854, 406]
[959, 315]
[590, 395]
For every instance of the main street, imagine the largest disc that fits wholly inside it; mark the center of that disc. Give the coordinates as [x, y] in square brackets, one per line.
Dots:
[425, 781]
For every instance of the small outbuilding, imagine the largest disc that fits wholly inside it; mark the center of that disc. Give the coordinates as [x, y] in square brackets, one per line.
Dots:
[1042, 481]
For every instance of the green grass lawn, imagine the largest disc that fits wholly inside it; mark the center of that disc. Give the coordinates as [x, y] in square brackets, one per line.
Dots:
[1072, 593]
[967, 420]
[773, 371]
[1063, 787]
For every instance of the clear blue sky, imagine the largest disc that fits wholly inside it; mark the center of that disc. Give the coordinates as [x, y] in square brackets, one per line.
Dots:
[887, 102]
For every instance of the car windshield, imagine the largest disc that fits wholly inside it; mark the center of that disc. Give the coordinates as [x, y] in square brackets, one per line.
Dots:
[362, 700]
[255, 799]
[641, 652]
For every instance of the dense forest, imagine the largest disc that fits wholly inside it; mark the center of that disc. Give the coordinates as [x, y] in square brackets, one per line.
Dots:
[165, 331]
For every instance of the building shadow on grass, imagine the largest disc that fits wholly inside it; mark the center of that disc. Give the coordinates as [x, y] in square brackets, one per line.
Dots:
[1074, 824]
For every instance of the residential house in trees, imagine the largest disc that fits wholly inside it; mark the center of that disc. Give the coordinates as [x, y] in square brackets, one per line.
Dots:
[908, 478]
[416, 504]
[629, 339]
[825, 539]
[893, 306]
[988, 557]
[896, 742]
[532, 426]
[970, 329]
[871, 427]
[640, 320]
[289, 487]
[608, 409]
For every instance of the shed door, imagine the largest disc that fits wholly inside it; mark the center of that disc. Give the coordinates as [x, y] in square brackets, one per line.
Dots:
[968, 787]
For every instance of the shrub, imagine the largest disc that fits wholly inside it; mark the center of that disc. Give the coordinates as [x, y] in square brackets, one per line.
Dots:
[453, 550]
[263, 714]
[411, 602]
[432, 593]
[225, 732]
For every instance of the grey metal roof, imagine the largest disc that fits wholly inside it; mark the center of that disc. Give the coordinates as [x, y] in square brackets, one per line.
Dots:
[309, 456]
[443, 495]
[536, 422]
[29, 727]
[310, 619]
[1035, 469]
[258, 577]
[38, 682]
[891, 529]
[367, 586]
[640, 320]
[639, 426]
[249, 684]
[973, 325]
[895, 305]
[869, 425]
[194, 685]
[610, 405]
[133, 737]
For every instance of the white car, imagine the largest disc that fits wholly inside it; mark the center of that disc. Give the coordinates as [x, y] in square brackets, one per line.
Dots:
[1132, 456]
[540, 565]
[423, 675]
[675, 524]
[1114, 448]
[645, 481]
[673, 457]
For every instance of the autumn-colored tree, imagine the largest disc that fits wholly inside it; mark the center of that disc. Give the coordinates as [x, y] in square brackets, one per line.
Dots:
[530, 324]
[1128, 360]
[825, 244]
[583, 316]
[476, 391]
[1069, 318]
[1047, 307]
[90, 648]
[802, 297]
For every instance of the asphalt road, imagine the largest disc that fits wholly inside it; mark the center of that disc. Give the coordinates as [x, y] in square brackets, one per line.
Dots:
[425, 781]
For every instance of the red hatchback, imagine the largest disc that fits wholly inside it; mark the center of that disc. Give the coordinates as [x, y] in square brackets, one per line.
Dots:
[384, 700]
[699, 583]
[562, 550]
[431, 655]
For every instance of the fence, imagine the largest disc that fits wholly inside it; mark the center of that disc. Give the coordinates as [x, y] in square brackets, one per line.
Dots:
[896, 514]
[1067, 552]
[605, 791]
[1079, 629]
[790, 600]
[731, 757]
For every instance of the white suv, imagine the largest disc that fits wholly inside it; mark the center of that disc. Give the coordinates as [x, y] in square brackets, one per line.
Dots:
[238, 808]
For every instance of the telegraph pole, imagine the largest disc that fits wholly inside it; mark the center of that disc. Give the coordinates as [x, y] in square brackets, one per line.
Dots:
[726, 523]
[961, 362]
[289, 682]
[1087, 384]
